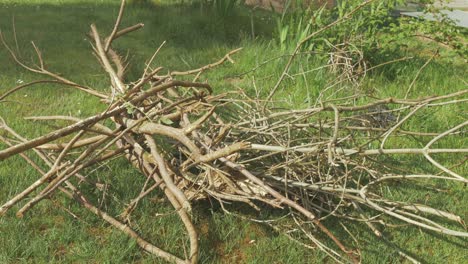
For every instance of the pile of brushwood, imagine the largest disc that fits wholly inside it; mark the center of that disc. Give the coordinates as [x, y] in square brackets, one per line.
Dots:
[191, 144]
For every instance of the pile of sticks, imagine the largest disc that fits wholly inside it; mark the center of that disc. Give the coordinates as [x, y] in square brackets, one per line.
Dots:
[191, 144]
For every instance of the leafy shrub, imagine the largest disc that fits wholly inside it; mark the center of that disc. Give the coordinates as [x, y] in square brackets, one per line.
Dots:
[374, 29]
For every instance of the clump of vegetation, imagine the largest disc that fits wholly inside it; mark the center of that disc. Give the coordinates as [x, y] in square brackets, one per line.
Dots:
[369, 36]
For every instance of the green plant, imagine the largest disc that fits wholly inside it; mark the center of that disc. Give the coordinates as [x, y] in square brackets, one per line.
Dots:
[443, 32]
[224, 8]
[374, 29]
[292, 27]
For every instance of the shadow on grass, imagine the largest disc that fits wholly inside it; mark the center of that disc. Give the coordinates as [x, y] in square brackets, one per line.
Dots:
[60, 30]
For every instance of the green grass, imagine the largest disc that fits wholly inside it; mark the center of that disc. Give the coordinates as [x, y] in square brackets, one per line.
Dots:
[195, 36]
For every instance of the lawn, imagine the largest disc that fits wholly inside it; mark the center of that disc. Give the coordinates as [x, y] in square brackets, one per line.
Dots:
[59, 230]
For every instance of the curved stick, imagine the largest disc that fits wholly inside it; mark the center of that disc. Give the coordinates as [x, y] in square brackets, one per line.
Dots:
[116, 26]
[77, 196]
[140, 162]
[165, 174]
